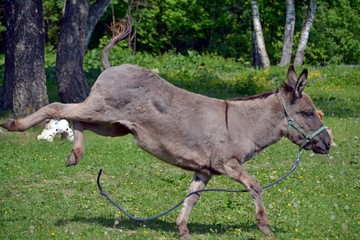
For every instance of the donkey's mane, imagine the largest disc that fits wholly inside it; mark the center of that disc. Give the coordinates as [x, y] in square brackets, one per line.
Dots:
[284, 86]
[253, 97]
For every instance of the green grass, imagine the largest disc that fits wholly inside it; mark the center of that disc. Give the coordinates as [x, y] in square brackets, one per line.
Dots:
[42, 199]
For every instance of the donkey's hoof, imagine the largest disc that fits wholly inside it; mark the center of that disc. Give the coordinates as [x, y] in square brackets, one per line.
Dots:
[265, 228]
[9, 125]
[184, 233]
[71, 160]
[185, 237]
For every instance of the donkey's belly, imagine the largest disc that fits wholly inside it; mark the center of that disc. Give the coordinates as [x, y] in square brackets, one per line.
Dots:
[178, 155]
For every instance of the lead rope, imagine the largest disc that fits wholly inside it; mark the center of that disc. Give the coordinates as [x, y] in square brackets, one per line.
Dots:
[103, 193]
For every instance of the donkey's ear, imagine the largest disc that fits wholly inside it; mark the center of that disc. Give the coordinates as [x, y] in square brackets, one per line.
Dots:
[301, 83]
[291, 76]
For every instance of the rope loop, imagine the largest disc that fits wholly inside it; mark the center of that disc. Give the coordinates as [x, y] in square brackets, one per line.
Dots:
[103, 193]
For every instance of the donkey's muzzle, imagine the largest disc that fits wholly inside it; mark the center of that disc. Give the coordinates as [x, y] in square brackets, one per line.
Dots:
[321, 150]
[323, 146]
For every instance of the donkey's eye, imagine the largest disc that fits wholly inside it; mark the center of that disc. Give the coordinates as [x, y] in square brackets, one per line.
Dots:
[307, 113]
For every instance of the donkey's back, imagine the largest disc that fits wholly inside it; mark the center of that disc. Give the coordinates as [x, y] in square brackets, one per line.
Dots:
[173, 124]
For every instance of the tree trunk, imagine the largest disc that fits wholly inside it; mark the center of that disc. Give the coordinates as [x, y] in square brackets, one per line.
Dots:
[24, 89]
[255, 52]
[72, 86]
[96, 11]
[259, 35]
[78, 23]
[288, 33]
[305, 32]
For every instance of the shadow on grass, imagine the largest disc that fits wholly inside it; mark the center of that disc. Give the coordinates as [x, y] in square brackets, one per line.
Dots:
[161, 225]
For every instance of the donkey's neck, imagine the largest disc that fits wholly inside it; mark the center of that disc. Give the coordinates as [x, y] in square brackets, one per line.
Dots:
[256, 123]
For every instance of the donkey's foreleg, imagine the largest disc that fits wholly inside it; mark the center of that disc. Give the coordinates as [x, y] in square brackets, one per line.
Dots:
[198, 183]
[105, 129]
[51, 111]
[234, 170]
[78, 149]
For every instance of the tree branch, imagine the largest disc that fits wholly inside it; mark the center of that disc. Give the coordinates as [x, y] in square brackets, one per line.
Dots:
[96, 11]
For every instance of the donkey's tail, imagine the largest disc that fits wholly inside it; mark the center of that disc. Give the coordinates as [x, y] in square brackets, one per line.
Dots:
[120, 30]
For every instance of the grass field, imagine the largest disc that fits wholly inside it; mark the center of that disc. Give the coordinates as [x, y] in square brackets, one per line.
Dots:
[42, 199]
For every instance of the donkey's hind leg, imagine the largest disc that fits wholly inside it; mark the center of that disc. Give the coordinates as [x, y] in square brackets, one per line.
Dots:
[198, 183]
[234, 170]
[51, 111]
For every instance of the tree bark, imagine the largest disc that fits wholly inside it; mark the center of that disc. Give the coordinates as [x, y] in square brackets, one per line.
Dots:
[97, 9]
[288, 33]
[78, 23]
[305, 32]
[255, 52]
[24, 89]
[70, 75]
[259, 35]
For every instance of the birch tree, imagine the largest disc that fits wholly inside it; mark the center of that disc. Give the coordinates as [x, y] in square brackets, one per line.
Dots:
[255, 52]
[305, 32]
[259, 37]
[288, 33]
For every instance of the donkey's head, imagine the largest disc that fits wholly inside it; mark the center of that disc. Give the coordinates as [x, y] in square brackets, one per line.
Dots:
[304, 127]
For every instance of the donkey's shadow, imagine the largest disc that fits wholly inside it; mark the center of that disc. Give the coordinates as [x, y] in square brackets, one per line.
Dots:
[126, 224]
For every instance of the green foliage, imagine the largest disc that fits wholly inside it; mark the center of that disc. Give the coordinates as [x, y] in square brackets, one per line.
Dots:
[52, 16]
[2, 27]
[225, 28]
[334, 38]
[207, 74]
